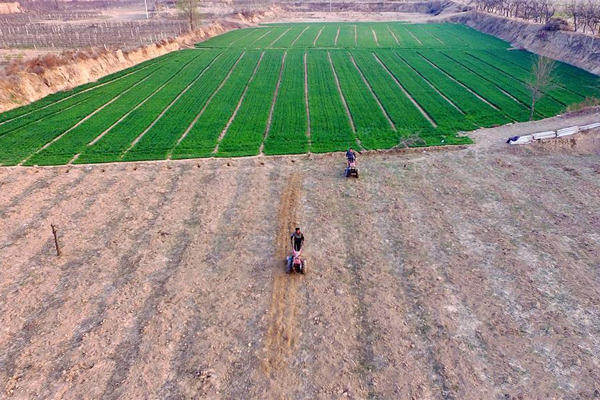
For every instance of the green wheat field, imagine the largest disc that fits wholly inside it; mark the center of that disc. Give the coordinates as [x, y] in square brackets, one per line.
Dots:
[292, 89]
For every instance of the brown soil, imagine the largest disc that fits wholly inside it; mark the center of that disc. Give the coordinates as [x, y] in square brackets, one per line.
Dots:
[464, 274]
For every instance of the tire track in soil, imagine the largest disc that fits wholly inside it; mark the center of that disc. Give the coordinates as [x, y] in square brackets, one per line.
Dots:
[50, 303]
[72, 347]
[282, 327]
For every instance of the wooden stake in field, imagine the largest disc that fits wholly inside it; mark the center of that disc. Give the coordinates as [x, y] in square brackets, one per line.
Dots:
[55, 240]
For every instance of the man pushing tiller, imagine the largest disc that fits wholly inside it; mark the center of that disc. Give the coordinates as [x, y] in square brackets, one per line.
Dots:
[296, 263]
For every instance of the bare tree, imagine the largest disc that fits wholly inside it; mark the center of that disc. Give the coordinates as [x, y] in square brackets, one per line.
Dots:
[591, 16]
[541, 81]
[189, 9]
[573, 11]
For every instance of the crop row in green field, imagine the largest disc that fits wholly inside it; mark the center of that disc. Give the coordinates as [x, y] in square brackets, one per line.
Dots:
[220, 102]
[63, 150]
[112, 145]
[203, 138]
[19, 144]
[62, 96]
[372, 35]
[288, 130]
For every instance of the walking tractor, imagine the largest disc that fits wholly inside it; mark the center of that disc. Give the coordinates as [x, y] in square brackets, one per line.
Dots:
[351, 169]
[295, 262]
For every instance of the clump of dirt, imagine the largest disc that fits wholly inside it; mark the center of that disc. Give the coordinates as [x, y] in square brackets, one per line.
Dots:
[10, 8]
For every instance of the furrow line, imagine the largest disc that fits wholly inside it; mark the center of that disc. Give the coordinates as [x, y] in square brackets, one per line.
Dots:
[375, 36]
[430, 84]
[298, 37]
[239, 104]
[189, 128]
[238, 39]
[76, 94]
[93, 142]
[457, 37]
[279, 37]
[262, 36]
[339, 88]
[432, 35]
[383, 110]
[306, 99]
[163, 112]
[556, 84]
[394, 35]
[411, 34]
[355, 36]
[459, 82]
[84, 119]
[318, 34]
[415, 103]
[487, 79]
[337, 35]
[270, 119]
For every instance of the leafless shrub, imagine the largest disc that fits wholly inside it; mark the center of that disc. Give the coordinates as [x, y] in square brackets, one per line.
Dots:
[589, 102]
[541, 81]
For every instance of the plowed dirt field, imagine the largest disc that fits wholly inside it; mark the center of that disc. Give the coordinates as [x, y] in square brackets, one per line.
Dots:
[458, 274]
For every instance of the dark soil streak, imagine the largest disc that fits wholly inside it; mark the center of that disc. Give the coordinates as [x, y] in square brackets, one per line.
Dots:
[126, 353]
[188, 354]
[128, 263]
[51, 303]
[356, 262]
[41, 257]
[58, 197]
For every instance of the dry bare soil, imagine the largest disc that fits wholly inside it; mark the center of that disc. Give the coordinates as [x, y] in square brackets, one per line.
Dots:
[465, 274]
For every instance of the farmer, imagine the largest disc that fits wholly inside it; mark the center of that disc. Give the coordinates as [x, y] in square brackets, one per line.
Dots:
[297, 239]
[350, 155]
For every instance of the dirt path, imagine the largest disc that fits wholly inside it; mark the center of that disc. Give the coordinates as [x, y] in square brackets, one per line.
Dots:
[450, 274]
[282, 333]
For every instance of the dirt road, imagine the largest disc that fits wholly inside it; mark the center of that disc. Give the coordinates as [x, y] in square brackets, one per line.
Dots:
[464, 274]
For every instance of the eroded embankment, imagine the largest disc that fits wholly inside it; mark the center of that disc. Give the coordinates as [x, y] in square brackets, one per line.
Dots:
[574, 48]
[25, 86]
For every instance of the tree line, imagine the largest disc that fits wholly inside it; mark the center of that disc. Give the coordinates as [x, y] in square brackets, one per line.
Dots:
[581, 15]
